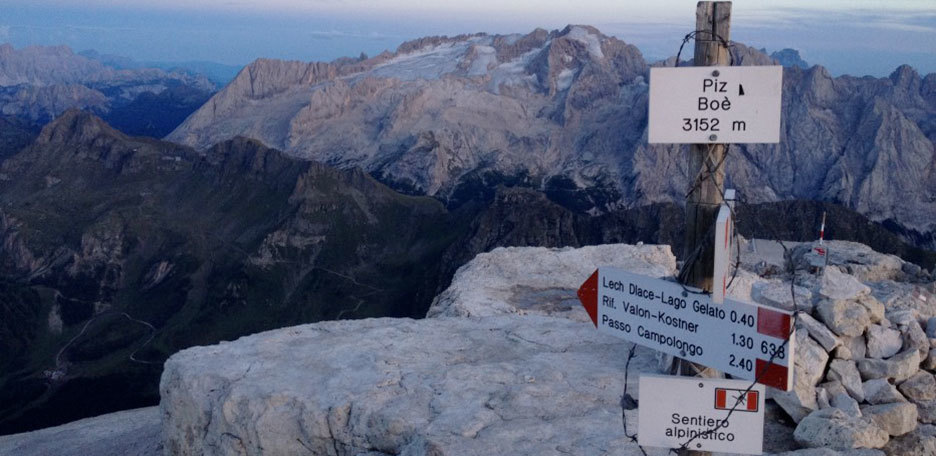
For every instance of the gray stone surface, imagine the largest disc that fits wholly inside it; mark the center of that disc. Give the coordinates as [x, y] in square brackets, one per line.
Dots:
[914, 337]
[833, 387]
[809, 366]
[926, 412]
[845, 318]
[930, 361]
[920, 442]
[903, 296]
[852, 348]
[822, 397]
[441, 386]
[129, 432]
[777, 293]
[831, 452]
[920, 387]
[832, 428]
[899, 368]
[818, 331]
[881, 391]
[931, 328]
[901, 317]
[537, 280]
[838, 286]
[876, 310]
[898, 418]
[846, 372]
[883, 342]
[846, 403]
[864, 263]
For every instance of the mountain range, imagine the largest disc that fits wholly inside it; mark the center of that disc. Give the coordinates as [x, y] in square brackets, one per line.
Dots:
[356, 188]
[565, 112]
[38, 83]
[117, 251]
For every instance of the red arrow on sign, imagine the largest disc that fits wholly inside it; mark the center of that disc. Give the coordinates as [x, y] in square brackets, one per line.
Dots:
[588, 295]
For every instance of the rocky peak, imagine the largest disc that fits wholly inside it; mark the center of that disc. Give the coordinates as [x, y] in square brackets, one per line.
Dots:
[905, 76]
[748, 56]
[788, 58]
[76, 127]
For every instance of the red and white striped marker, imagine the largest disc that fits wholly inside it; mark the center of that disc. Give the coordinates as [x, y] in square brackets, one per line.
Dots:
[822, 228]
[726, 398]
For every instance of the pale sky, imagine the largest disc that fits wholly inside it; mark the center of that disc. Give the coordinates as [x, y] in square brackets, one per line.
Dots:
[847, 36]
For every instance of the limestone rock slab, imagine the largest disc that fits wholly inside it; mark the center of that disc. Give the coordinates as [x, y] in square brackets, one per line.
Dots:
[539, 280]
[818, 331]
[899, 368]
[845, 318]
[435, 386]
[809, 366]
[881, 391]
[921, 442]
[898, 418]
[832, 428]
[130, 432]
[883, 342]
[920, 387]
[837, 286]
[847, 373]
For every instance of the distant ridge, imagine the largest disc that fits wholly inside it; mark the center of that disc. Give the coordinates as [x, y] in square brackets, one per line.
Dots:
[39, 83]
[564, 111]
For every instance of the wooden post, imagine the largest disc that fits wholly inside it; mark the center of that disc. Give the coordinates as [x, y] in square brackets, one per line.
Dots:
[712, 25]
[713, 21]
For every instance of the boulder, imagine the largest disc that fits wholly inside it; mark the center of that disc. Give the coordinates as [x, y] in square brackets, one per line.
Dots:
[818, 331]
[898, 418]
[920, 442]
[902, 296]
[809, 365]
[832, 428]
[831, 452]
[852, 348]
[926, 411]
[881, 391]
[538, 280]
[931, 328]
[930, 361]
[899, 368]
[845, 318]
[776, 293]
[441, 386]
[833, 387]
[846, 372]
[914, 337]
[876, 309]
[920, 387]
[863, 262]
[846, 403]
[835, 285]
[883, 342]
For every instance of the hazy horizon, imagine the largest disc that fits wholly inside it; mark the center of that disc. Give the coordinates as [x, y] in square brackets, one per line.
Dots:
[872, 39]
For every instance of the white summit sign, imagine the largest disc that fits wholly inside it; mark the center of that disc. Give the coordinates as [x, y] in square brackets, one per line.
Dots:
[715, 104]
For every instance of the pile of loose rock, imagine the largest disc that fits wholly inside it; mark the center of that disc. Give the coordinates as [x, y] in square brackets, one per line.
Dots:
[864, 355]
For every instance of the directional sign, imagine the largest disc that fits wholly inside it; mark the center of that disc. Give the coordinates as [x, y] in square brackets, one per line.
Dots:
[736, 337]
[715, 104]
[675, 410]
